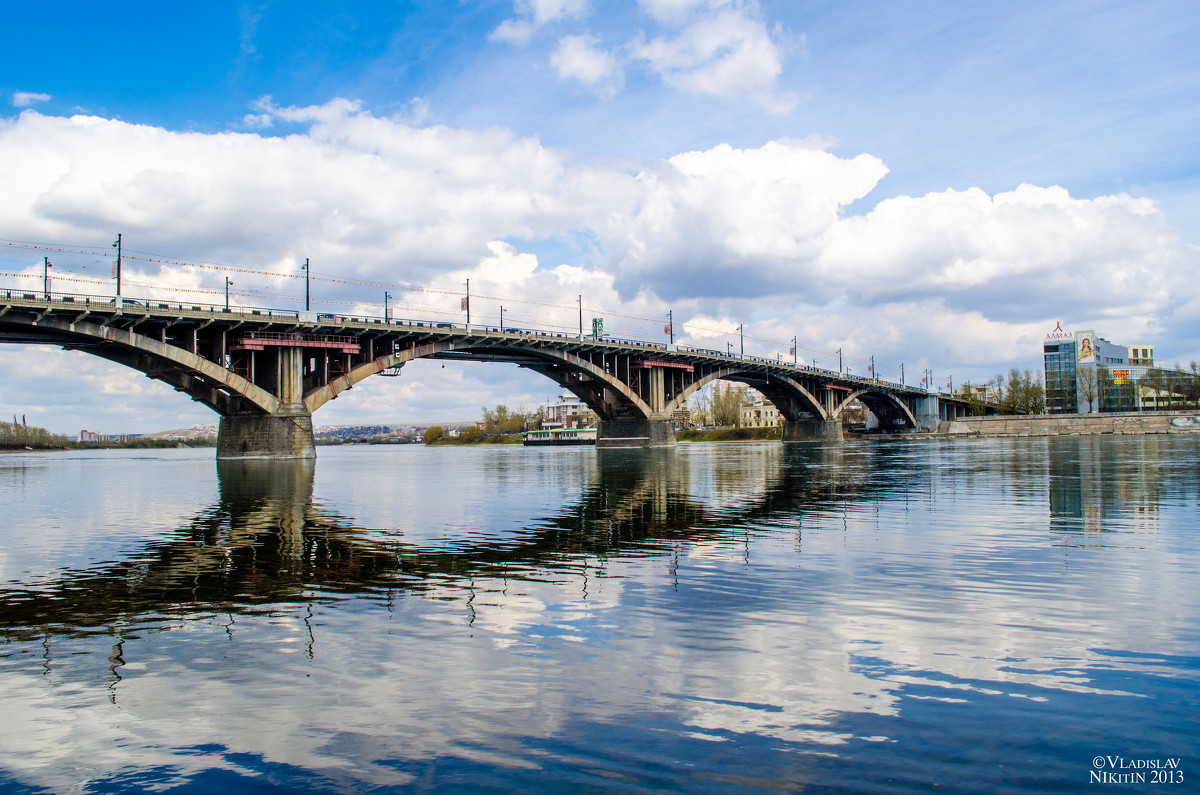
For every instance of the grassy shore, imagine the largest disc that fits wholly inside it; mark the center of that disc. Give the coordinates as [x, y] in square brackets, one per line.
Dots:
[504, 438]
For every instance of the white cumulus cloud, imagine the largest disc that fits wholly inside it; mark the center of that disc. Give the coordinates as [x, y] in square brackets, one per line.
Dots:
[26, 99]
[578, 58]
[726, 51]
[732, 221]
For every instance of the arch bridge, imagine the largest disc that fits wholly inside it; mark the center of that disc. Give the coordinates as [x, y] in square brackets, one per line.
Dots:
[266, 371]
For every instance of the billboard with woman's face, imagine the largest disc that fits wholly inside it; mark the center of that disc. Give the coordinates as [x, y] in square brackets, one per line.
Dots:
[1085, 346]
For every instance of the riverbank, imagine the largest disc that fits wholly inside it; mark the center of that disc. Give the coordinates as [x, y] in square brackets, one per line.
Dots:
[467, 439]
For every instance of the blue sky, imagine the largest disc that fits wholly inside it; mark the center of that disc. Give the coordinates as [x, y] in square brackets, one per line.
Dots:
[848, 172]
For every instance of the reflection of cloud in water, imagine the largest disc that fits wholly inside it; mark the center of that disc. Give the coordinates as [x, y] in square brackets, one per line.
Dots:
[813, 585]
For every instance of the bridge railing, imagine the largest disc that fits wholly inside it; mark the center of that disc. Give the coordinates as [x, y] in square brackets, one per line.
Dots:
[109, 303]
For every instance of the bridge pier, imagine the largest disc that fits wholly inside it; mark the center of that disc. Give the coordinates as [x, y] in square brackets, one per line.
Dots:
[812, 431]
[637, 432]
[266, 436]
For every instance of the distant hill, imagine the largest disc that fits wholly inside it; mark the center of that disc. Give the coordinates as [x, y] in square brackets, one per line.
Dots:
[194, 432]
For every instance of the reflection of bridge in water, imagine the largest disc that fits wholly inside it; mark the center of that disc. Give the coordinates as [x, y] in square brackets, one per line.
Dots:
[266, 371]
[265, 542]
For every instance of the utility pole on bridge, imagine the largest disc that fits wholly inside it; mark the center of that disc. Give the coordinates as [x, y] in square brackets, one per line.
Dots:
[117, 264]
[46, 278]
[306, 272]
[227, 283]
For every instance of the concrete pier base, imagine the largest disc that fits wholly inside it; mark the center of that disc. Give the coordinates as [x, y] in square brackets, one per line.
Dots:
[266, 436]
[812, 431]
[635, 433]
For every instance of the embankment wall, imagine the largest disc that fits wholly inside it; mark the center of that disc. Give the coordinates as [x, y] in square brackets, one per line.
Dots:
[1073, 424]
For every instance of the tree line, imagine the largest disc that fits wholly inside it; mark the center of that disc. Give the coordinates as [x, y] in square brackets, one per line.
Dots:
[18, 435]
[720, 406]
[1022, 392]
[499, 424]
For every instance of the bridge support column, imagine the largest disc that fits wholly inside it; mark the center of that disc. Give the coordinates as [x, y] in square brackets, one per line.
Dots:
[927, 411]
[812, 431]
[635, 433]
[266, 436]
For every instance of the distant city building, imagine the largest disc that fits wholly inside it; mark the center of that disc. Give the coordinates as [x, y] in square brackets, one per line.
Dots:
[681, 418]
[972, 392]
[1086, 373]
[761, 414]
[117, 438]
[568, 412]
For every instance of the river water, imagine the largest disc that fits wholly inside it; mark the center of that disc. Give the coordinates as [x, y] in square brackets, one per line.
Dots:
[984, 615]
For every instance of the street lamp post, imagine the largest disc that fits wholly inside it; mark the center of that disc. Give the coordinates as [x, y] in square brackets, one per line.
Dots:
[227, 283]
[671, 325]
[839, 360]
[386, 317]
[742, 341]
[46, 278]
[467, 302]
[501, 319]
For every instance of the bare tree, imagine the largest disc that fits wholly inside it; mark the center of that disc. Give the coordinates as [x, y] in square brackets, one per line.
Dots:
[1104, 386]
[1035, 392]
[727, 403]
[1087, 388]
[1179, 387]
[700, 405]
